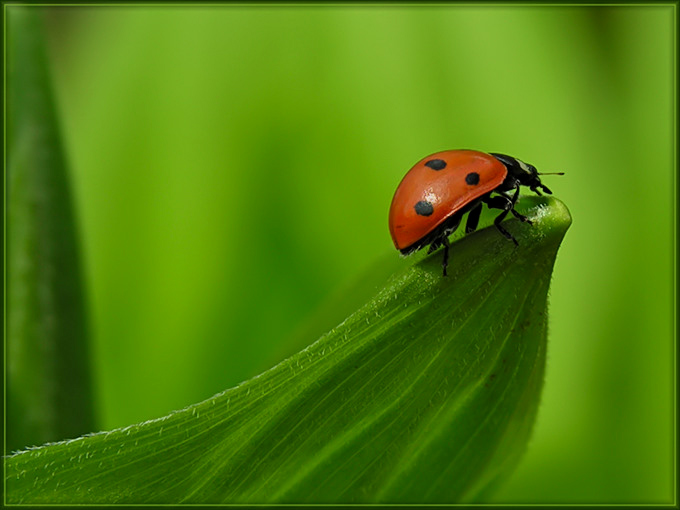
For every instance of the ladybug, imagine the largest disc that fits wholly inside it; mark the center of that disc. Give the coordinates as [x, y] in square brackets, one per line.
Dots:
[433, 196]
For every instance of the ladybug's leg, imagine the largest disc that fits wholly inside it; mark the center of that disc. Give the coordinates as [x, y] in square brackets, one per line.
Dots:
[452, 226]
[473, 218]
[444, 240]
[513, 199]
[521, 217]
[517, 215]
[445, 260]
[502, 230]
[502, 202]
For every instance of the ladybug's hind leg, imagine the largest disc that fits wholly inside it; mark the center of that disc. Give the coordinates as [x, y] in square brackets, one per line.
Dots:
[442, 241]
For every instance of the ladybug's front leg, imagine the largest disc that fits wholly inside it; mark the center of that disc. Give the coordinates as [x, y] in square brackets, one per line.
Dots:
[505, 203]
[517, 215]
[512, 199]
[502, 201]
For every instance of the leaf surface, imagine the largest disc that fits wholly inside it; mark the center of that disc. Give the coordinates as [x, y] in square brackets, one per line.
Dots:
[426, 394]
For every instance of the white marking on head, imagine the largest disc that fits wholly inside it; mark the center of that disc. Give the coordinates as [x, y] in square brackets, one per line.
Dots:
[523, 166]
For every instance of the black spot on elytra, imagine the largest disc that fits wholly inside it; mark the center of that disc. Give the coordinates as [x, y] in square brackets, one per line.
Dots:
[436, 164]
[472, 178]
[424, 208]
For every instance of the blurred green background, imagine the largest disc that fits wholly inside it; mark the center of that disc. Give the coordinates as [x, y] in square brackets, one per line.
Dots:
[233, 167]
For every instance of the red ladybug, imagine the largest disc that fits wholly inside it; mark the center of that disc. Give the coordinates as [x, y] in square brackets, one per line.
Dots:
[434, 195]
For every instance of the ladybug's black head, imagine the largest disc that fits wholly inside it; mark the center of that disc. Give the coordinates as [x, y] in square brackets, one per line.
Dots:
[524, 173]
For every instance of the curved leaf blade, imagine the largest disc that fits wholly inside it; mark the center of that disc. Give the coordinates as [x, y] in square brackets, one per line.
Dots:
[426, 394]
[49, 390]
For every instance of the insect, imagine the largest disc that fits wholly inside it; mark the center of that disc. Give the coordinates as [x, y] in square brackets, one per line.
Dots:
[440, 189]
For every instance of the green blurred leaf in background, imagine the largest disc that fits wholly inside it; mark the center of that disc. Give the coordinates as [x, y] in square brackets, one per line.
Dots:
[232, 167]
[49, 393]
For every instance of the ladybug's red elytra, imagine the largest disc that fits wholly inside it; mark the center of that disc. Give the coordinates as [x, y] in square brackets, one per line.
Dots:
[433, 196]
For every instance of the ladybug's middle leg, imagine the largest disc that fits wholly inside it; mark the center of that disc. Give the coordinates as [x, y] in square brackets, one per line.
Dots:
[473, 218]
[445, 260]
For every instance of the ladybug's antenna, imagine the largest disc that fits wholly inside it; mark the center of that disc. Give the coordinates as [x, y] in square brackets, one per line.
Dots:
[550, 173]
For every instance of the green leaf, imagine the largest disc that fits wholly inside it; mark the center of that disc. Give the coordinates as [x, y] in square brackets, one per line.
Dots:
[427, 393]
[48, 378]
